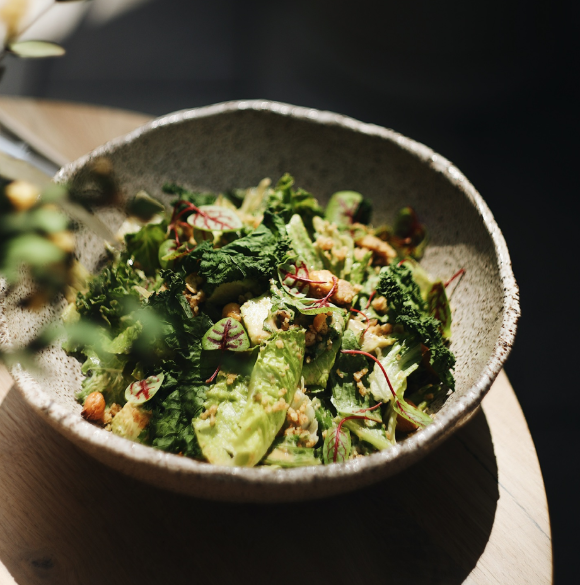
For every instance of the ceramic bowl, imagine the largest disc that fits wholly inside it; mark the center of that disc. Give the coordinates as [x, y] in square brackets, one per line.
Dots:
[236, 144]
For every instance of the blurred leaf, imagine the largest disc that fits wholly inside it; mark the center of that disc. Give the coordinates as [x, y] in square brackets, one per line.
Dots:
[144, 207]
[48, 219]
[36, 49]
[143, 246]
[33, 250]
[53, 193]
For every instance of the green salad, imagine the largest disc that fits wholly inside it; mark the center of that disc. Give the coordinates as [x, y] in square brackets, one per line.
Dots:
[256, 327]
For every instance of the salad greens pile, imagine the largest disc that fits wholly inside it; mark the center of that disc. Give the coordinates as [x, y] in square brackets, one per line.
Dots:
[257, 328]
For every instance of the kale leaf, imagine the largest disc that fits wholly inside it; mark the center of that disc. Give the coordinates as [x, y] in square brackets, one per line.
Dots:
[407, 308]
[256, 256]
[182, 395]
[110, 295]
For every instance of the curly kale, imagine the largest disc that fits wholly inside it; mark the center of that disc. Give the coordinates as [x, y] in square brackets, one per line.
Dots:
[256, 256]
[111, 295]
[406, 308]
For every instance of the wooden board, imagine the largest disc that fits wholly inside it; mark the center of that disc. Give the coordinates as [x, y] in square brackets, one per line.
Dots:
[474, 511]
[63, 132]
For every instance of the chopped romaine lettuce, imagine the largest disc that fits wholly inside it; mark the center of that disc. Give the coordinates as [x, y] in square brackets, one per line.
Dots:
[285, 453]
[273, 383]
[218, 426]
[131, 422]
[302, 243]
[317, 370]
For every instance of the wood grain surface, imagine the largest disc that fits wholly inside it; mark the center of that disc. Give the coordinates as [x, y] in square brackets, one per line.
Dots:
[474, 511]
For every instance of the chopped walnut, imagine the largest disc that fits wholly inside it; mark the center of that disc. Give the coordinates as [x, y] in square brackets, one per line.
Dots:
[360, 253]
[232, 310]
[379, 304]
[193, 293]
[380, 330]
[111, 412]
[383, 253]
[301, 421]
[319, 324]
[283, 319]
[324, 242]
[358, 376]
[344, 293]
[279, 405]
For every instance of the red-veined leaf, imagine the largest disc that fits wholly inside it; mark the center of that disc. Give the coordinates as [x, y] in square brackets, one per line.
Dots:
[227, 335]
[143, 390]
[410, 235]
[336, 448]
[295, 278]
[214, 218]
[438, 304]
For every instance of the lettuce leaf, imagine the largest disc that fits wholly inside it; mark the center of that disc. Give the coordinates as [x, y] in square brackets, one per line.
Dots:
[217, 434]
[347, 398]
[272, 386]
[285, 453]
[316, 371]
[302, 244]
[286, 201]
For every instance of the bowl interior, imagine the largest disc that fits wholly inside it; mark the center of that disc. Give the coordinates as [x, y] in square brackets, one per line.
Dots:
[222, 148]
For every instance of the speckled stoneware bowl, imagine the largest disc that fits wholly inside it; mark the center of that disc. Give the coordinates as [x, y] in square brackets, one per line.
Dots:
[236, 144]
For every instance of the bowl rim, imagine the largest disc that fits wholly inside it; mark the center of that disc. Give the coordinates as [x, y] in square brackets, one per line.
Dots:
[382, 463]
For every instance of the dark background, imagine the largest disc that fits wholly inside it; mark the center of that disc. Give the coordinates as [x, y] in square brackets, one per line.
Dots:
[489, 85]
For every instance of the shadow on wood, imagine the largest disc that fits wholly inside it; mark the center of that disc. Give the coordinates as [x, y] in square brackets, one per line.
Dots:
[88, 524]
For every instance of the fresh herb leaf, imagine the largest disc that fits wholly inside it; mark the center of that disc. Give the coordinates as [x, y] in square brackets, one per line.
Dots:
[410, 235]
[286, 201]
[143, 246]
